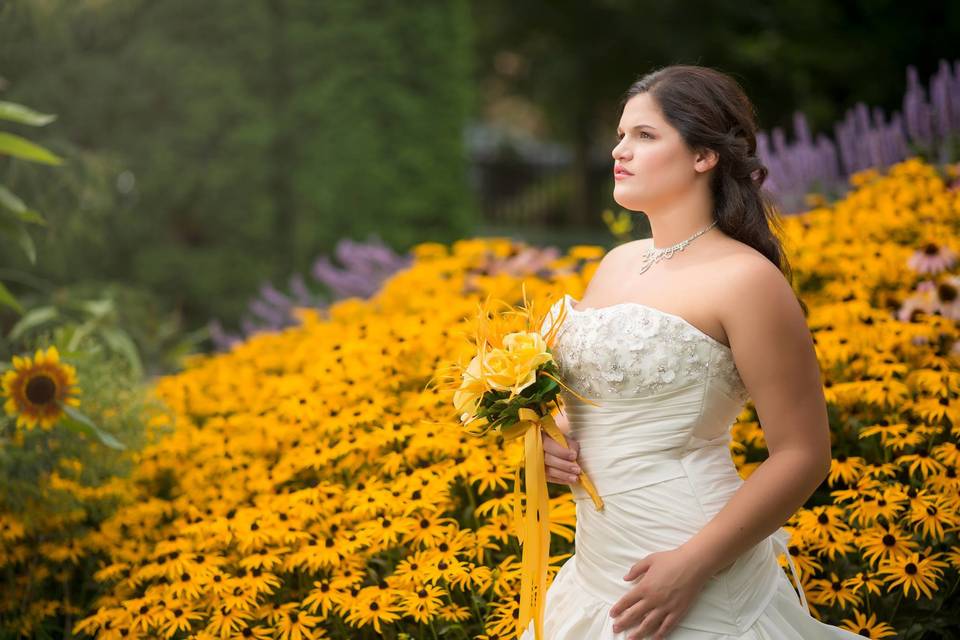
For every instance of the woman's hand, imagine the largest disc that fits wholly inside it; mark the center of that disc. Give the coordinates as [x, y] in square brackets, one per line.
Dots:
[559, 461]
[669, 584]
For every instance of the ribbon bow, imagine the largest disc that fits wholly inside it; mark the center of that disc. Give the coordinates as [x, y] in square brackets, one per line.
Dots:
[533, 527]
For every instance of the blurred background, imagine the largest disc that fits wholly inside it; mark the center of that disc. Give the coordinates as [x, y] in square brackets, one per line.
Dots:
[214, 164]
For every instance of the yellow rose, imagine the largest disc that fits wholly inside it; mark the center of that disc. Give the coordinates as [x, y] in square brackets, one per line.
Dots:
[515, 366]
[466, 399]
[528, 342]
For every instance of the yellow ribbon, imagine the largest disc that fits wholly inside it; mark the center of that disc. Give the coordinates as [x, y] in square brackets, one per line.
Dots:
[533, 527]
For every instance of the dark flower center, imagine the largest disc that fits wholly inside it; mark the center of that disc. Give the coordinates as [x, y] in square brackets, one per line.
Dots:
[41, 390]
[931, 249]
[947, 292]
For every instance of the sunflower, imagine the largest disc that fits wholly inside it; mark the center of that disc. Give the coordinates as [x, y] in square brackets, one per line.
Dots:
[36, 389]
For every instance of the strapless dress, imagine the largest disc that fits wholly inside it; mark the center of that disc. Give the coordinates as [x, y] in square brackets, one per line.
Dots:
[657, 450]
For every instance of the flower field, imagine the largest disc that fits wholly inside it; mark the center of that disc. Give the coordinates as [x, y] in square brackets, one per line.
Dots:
[313, 485]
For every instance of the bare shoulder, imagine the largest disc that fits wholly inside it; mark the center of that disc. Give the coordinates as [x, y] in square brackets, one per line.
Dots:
[753, 280]
[628, 250]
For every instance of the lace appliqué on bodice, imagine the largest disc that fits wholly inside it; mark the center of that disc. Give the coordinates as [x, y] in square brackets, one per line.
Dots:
[631, 350]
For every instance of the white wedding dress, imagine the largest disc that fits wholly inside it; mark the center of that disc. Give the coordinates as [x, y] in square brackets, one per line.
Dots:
[657, 450]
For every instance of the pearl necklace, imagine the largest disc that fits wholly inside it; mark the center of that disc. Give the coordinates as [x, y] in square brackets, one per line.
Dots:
[654, 255]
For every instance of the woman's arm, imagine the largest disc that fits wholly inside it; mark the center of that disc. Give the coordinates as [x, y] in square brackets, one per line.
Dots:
[777, 361]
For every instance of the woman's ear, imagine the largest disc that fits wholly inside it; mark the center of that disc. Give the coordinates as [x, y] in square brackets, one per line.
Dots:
[705, 160]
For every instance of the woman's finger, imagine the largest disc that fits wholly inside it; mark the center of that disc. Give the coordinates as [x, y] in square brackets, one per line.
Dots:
[563, 464]
[563, 474]
[635, 614]
[652, 621]
[560, 477]
[665, 627]
[553, 447]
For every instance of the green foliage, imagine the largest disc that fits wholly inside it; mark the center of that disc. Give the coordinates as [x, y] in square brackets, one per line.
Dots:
[14, 213]
[128, 322]
[112, 398]
[221, 144]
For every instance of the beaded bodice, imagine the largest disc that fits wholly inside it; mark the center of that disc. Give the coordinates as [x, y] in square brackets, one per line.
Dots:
[630, 350]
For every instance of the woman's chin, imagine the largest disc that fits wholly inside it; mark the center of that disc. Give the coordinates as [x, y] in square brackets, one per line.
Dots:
[625, 201]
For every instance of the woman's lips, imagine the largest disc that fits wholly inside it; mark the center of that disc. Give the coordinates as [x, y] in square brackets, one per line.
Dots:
[619, 173]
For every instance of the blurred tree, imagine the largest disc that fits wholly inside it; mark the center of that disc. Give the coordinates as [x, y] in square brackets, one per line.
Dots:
[227, 143]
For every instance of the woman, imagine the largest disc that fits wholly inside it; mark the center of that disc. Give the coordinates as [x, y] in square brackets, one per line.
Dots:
[671, 337]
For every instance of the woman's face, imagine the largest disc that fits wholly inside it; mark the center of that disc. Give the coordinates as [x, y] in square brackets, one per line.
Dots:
[662, 166]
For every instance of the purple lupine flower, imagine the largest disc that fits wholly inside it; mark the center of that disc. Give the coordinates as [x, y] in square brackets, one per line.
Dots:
[366, 267]
[916, 110]
[796, 168]
[304, 297]
[863, 139]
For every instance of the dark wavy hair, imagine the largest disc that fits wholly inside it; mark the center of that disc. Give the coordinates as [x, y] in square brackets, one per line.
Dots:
[710, 110]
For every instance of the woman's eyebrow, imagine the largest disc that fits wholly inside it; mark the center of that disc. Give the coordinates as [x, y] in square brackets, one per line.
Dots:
[641, 126]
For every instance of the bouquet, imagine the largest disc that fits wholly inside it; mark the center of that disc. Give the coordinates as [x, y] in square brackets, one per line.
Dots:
[509, 387]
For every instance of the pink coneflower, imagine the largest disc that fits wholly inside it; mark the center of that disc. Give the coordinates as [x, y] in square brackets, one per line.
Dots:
[525, 261]
[923, 300]
[932, 259]
[931, 298]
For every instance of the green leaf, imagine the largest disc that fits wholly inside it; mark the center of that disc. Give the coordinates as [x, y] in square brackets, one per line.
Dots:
[32, 319]
[7, 299]
[79, 423]
[80, 333]
[19, 147]
[450, 628]
[26, 243]
[24, 115]
[10, 201]
[97, 308]
[17, 230]
[121, 342]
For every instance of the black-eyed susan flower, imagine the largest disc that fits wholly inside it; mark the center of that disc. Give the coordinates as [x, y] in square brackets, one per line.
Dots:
[177, 617]
[934, 517]
[37, 388]
[884, 543]
[323, 597]
[846, 469]
[413, 569]
[916, 571]
[423, 602]
[226, 621]
[296, 624]
[832, 591]
[430, 528]
[371, 607]
[865, 583]
[868, 627]
[239, 595]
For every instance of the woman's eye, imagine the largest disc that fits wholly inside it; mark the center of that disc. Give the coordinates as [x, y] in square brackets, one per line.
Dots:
[642, 133]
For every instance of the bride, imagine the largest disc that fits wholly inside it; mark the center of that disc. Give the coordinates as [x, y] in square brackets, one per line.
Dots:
[673, 334]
